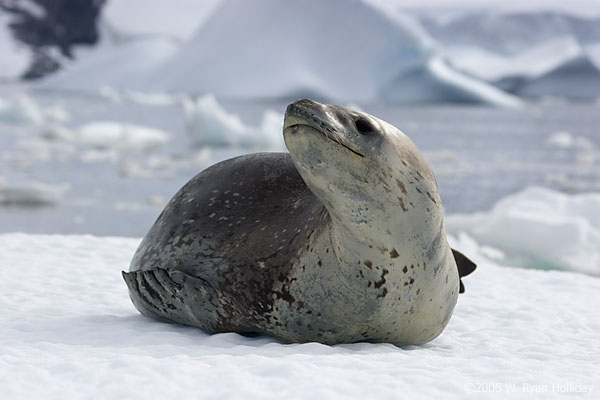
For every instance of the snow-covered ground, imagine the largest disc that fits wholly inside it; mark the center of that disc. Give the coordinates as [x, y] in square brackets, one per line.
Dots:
[68, 330]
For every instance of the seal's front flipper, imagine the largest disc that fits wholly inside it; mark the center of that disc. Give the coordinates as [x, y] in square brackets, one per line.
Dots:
[464, 265]
[168, 295]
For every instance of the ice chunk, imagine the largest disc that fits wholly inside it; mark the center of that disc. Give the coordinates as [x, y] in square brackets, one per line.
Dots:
[109, 135]
[120, 135]
[208, 124]
[566, 140]
[151, 99]
[22, 109]
[540, 227]
[31, 194]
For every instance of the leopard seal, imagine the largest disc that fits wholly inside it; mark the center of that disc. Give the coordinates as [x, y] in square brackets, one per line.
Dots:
[341, 240]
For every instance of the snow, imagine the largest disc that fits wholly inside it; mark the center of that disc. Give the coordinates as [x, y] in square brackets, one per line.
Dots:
[540, 228]
[68, 330]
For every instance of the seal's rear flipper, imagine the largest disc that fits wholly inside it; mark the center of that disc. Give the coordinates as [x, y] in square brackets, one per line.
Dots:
[166, 294]
[464, 265]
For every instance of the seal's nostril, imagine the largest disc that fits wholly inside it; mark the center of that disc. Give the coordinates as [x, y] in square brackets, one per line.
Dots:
[364, 126]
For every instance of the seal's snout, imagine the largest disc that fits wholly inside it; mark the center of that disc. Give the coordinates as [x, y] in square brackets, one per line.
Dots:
[301, 108]
[302, 112]
[302, 103]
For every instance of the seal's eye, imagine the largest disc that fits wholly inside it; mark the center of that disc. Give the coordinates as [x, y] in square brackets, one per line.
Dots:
[364, 126]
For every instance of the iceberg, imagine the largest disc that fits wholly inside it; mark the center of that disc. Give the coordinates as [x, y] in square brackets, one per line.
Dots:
[176, 19]
[112, 64]
[337, 50]
[576, 78]
[531, 54]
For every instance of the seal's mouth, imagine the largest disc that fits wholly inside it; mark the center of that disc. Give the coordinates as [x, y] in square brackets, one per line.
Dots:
[298, 116]
[327, 133]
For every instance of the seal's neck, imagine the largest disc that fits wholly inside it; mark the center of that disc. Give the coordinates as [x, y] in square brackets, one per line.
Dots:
[375, 231]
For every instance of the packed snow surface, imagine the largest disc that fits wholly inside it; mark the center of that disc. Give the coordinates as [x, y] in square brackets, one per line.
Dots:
[68, 330]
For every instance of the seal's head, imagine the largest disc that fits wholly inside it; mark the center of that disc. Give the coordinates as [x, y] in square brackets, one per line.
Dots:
[354, 162]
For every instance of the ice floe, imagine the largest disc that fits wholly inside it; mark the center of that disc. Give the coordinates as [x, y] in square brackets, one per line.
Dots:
[540, 228]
